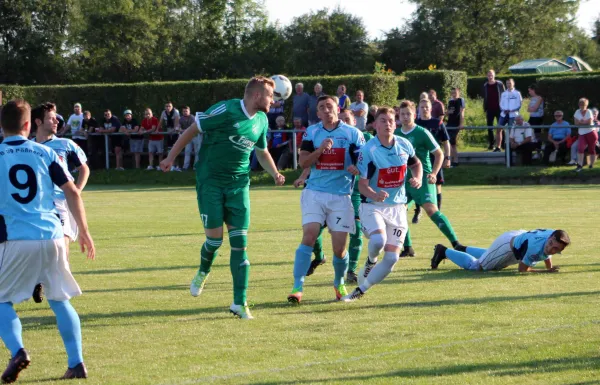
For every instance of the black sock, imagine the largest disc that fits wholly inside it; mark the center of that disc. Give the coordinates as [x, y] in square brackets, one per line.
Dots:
[439, 200]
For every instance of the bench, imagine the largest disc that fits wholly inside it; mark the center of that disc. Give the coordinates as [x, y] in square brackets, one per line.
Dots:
[482, 157]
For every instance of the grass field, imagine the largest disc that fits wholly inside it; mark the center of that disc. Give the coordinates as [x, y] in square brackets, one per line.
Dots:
[141, 326]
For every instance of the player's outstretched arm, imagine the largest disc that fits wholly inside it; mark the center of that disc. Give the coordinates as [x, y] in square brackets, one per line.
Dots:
[182, 141]
[265, 160]
[73, 197]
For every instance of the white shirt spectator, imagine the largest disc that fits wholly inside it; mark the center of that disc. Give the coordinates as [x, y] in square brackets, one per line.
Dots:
[510, 101]
[580, 116]
[74, 124]
[520, 134]
[361, 121]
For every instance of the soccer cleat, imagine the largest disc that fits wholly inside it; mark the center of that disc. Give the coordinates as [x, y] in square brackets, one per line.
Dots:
[439, 254]
[15, 365]
[314, 264]
[417, 216]
[351, 277]
[408, 252]
[38, 293]
[295, 297]
[197, 284]
[242, 312]
[79, 371]
[340, 292]
[356, 294]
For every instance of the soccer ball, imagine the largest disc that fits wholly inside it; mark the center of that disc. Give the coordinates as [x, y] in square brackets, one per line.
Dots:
[283, 87]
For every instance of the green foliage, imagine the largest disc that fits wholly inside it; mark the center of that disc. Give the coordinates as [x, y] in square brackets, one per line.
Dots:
[199, 95]
[522, 82]
[441, 81]
[563, 93]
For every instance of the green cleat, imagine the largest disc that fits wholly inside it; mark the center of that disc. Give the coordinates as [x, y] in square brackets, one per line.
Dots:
[197, 284]
[340, 292]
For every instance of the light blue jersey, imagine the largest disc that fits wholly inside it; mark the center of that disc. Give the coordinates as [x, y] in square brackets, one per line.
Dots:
[329, 174]
[529, 246]
[28, 172]
[385, 168]
[68, 153]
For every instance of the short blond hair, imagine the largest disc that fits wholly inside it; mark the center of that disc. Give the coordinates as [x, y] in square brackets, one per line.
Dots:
[258, 82]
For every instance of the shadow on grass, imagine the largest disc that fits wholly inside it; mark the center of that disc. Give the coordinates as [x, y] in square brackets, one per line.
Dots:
[146, 236]
[488, 368]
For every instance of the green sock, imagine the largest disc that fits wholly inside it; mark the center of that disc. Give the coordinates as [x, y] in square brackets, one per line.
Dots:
[407, 239]
[208, 253]
[355, 247]
[240, 272]
[444, 225]
[318, 247]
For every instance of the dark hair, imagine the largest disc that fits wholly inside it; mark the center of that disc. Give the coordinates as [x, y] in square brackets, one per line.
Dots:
[325, 97]
[561, 236]
[533, 87]
[407, 104]
[186, 107]
[39, 112]
[14, 115]
[385, 110]
[107, 110]
[432, 91]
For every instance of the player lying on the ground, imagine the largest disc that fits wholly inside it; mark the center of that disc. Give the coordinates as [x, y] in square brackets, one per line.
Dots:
[525, 248]
[382, 164]
[231, 129]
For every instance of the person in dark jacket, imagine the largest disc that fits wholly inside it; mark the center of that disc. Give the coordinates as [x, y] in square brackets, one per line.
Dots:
[492, 89]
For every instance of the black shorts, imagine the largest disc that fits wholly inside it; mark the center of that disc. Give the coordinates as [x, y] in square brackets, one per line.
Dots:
[117, 141]
[453, 134]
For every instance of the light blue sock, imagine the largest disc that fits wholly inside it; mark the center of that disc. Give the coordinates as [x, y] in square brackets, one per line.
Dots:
[461, 259]
[477, 252]
[340, 267]
[301, 265]
[69, 327]
[10, 328]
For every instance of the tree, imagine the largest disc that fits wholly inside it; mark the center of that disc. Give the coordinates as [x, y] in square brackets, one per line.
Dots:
[326, 43]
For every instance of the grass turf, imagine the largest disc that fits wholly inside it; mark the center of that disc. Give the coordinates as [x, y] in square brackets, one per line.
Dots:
[141, 326]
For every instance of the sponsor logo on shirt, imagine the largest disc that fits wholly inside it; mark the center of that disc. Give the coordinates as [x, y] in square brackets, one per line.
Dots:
[391, 177]
[332, 159]
[241, 142]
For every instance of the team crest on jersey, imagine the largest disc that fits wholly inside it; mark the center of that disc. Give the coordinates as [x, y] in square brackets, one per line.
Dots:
[241, 142]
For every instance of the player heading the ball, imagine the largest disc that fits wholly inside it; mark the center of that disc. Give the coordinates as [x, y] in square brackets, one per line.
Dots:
[231, 129]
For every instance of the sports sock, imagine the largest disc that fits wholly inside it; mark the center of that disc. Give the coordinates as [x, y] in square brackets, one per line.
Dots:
[340, 267]
[376, 243]
[301, 265]
[69, 327]
[381, 270]
[355, 247]
[477, 252]
[444, 225]
[463, 260]
[10, 328]
[439, 201]
[318, 247]
[208, 253]
[407, 239]
[239, 264]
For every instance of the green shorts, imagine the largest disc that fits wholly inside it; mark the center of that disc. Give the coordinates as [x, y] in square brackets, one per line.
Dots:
[426, 194]
[224, 204]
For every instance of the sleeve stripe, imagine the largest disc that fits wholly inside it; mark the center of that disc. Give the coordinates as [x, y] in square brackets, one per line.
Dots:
[216, 111]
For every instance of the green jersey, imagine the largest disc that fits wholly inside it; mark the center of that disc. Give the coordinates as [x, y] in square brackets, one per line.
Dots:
[424, 144]
[229, 136]
[355, 192]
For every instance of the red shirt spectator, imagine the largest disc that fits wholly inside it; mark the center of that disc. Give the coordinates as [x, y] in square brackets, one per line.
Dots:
[148, 123]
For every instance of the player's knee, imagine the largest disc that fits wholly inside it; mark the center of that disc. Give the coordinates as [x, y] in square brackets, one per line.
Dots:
[376, 242]
[238, 239]
[212, 244]
[390, 258]
[339, 250]
[430, 208]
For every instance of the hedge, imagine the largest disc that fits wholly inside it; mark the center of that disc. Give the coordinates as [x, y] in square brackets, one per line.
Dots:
[522, 82]
[441, 81]
[199, 95]
[563, 93]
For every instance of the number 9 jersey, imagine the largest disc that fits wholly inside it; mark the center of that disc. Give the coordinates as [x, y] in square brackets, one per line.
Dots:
[28, 172]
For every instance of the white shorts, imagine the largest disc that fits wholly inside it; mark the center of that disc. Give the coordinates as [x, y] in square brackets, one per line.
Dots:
[24, 264]
[499, 255]
[66, 218]
[156, 146]
[335, 210]
[391, 219]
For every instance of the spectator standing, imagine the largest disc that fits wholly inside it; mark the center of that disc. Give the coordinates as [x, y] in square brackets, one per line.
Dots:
[536, 111]
[301, 129]
[343, 99]
[492, 89]
[300, 104]
[192, 147]
[456, 118]
[522, 140]
[74, 124]
[169, 120]
[557, 138]
[510, 104]
[312, 105]
[437, 107]
[275, 110]
[279, 141]
[371, 117]
[150, 125]
[360, 109]
[95, 143]
[131, 128]
[587, 136]
[109, 125]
